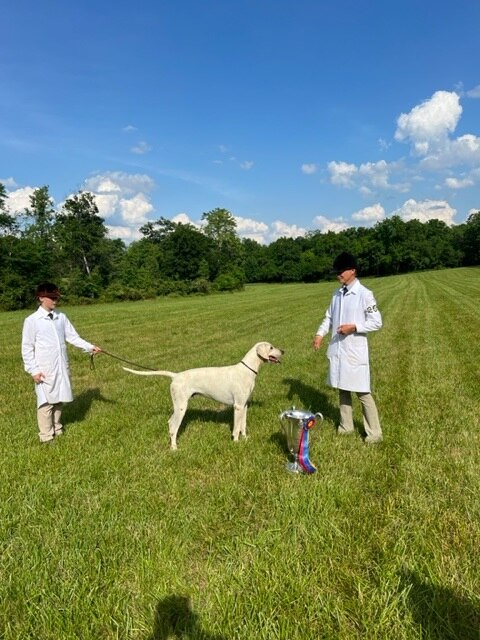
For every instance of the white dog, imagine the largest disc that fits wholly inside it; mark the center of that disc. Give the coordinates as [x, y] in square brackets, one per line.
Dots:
[232, 385]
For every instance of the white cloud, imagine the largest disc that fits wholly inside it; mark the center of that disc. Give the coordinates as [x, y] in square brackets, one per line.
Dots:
[427, 125]
[474, 93]
[247, 165]
[127, 234]
[426, 210]
[376, 172]
[19, 200]
[459, 183]
[325, 225]
[252, 229]
[107, 204]
[134, 211]
[141, 147]
[279, 229]
[309, 168]
[8, 183]
[183, 218]
[368, 177]
[383, 144]
[129, 128]
[464, 150]
[342, 173]
[374, 213]
[120, 182]
[123, 198]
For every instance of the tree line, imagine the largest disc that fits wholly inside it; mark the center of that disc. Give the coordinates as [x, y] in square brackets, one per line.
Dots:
[71, 247]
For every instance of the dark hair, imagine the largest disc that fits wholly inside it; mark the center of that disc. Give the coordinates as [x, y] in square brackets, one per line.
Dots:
[47, 290]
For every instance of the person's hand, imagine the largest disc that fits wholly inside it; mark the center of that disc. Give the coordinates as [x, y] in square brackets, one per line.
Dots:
[95, 350]
[346, 329]
[38, 377]
[317, 341]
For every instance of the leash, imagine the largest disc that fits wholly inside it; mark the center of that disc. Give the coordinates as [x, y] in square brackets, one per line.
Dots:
[135, 364]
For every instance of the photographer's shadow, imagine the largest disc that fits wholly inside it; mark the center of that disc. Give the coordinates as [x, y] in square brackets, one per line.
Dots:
[440, 613]
[79, 409]
[174, 618]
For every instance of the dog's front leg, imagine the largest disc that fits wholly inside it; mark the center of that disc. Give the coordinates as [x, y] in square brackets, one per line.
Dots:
[237, 425]
[239, 421]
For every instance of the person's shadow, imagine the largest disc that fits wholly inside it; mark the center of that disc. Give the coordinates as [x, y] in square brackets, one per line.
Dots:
[304, 396]
[174, 618]
[440, 613]
[78, 410]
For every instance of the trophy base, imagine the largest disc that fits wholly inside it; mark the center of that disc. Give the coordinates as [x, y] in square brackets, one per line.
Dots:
[293, 467]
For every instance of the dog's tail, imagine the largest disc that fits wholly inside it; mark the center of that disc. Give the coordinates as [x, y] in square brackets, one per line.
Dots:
[170, 374]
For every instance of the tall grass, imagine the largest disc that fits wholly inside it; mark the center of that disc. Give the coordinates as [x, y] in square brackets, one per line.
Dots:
[108, 534]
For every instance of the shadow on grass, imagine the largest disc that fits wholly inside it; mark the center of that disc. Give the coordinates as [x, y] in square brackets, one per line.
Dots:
[174, 618]
[314, 400]
[78, 410]
[440, 613]
[310, 399]
[221, 416]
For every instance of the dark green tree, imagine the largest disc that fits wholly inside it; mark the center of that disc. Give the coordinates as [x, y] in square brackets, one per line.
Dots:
[227, 250]
[40, 215]
[471, 240]
[8, 225]
[80, 236]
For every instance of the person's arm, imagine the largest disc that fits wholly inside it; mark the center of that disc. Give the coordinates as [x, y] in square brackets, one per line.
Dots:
[28, 351]
[72, 337]
[323, 329]
[372, 317]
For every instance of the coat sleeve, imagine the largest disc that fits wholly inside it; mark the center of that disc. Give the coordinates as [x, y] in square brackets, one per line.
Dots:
[372, 318]
[28, 347]
[72, 337]
[326, 323]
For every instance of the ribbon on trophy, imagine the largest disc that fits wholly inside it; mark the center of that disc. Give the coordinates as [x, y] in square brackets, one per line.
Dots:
[303, 449]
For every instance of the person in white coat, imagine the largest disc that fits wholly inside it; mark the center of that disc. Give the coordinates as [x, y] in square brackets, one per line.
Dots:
[352, 313]
[44, 354]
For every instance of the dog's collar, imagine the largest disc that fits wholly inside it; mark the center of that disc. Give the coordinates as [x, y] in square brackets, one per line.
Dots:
[246, 365]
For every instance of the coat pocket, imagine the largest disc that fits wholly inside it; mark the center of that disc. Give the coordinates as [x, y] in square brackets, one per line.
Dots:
[356, 349]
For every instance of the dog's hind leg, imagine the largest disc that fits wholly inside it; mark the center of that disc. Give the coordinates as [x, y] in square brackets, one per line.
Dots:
[180, 404]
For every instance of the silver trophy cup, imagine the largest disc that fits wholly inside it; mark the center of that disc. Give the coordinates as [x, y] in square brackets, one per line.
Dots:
[294, 421]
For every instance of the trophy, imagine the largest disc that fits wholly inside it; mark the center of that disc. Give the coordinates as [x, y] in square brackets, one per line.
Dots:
[296, 425]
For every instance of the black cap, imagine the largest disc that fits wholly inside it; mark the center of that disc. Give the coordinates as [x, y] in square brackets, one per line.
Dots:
[343, 262]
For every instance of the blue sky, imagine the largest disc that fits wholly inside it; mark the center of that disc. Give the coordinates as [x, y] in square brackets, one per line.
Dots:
[294, 116]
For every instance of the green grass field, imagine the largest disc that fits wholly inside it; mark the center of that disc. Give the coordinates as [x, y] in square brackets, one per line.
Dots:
[108, 534]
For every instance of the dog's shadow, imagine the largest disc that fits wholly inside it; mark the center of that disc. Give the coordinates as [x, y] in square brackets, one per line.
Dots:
[174, 618]
[78, 410]
[222, 416]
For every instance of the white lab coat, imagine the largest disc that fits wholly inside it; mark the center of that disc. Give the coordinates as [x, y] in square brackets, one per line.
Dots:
[44, 349]
[348, 355]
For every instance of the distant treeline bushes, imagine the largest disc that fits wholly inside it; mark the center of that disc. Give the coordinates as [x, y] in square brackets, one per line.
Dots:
[71, 247]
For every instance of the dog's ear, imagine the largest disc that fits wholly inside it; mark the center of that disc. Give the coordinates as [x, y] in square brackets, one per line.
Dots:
[263, 350]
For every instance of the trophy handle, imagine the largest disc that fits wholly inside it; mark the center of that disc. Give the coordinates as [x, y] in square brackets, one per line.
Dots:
[320, 415]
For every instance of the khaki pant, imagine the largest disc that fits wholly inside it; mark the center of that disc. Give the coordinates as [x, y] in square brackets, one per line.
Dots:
[371, 422]
[49, 425]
